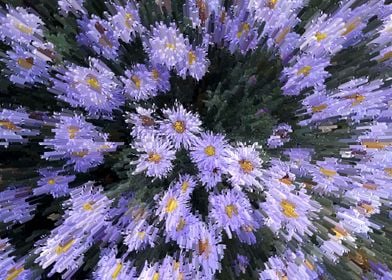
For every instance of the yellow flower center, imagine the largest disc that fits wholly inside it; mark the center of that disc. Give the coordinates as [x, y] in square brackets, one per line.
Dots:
[357, 98]
[247, 228]
[288, 209]
[93, 82]
[282, 35]
[135, 79]
[171, 205]
[141, 234]
[154, 157]
[385, 57]
[155, 276]
[87, 206]
[304, 70]
[60, 249]
[181, 224]
[184, 186]
[14, 273]
[117, 270]
[374, 144]
[191, 57]
[309, 265]
[128, 20]
[271, 4]
[8, 125]
[246, 166]
[231, 210]
[319, 108]
[349, 27]
[179, 126]
[155, 74]
[72, 130]
[24, 28]
[170, 46]
[51, 181]
[328, 172]
[26, 63]
[320, 36]
[245, 27]
[209, 150]
[369, 209]
[388, 171]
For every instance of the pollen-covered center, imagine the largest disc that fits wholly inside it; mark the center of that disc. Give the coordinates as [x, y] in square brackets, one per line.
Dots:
[231, 210]
[136, 80]
[51, 181]
[320, 36]
[93, 82]
[209, 150]
[246, 166]
[181, 224]
[184, 186]
[154, 157]
[191, 57]
[304, 70]
[179, 126]
[72, 130]
[62, 248]
[171, 205]
[26, 63]
[117, 270]
[328, 172]
[244, 28]
[8, 125]
[24, 28]
[288, 209]
[203, 246]
[128, 20]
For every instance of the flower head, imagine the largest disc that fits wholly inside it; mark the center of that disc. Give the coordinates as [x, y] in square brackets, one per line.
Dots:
[156, 156]
[180, 126]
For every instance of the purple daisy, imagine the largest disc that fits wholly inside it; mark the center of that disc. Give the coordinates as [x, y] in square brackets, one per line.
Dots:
[156, 156]
[167, 45]
[126, 22]
[242, 33]
[244, 166]
[14, 205]
[26, 65]
[185, 185]
[143, 122]
[52, 182]
[307, 72]
[161, 75]
[64, 248]
[180, 126]
[230, 210]
[20, 26]
[139, 83]
[13, 126]
[95, 88]
[209, 151]
[140, 235]
[290, 211]
[171, 207]
[195, 64]
[210, 177]
[99, 35]
[110, 267]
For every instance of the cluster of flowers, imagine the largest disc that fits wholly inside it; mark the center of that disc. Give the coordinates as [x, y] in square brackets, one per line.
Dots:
[228, 172]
